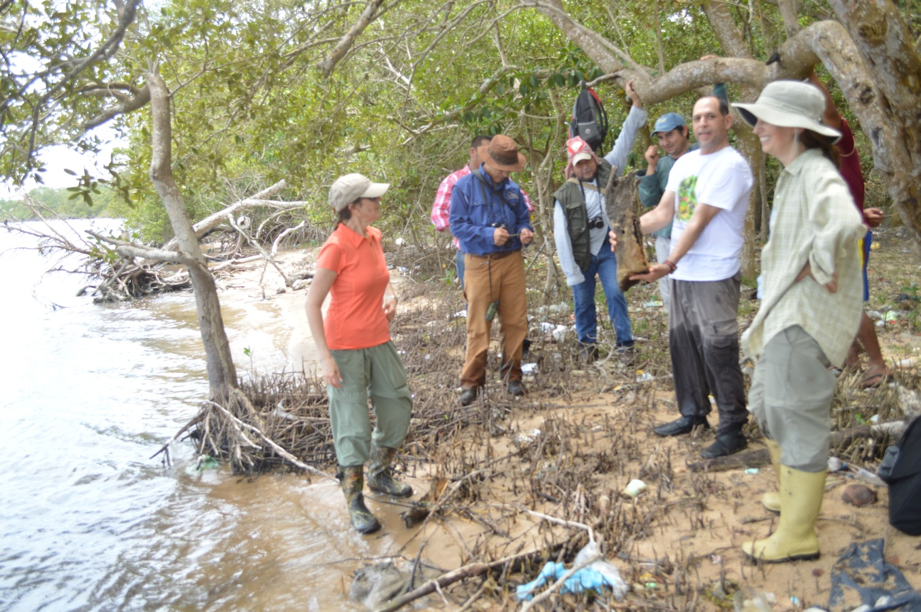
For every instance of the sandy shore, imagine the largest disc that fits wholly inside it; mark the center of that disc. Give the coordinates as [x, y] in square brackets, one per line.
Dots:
[688, 523]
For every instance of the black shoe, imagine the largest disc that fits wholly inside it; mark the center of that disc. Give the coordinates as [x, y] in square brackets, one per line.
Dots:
[626, 355]
[681, 426]
[516, 388]
[725, 444]
[588, 354]
[468, 396]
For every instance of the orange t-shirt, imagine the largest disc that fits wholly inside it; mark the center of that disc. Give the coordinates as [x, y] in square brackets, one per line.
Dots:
[355, 319]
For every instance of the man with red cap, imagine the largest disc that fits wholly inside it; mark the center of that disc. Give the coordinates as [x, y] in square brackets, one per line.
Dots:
[580, 230]
[490, 219]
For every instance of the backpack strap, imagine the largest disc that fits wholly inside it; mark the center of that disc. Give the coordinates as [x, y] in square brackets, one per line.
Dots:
[591, 186]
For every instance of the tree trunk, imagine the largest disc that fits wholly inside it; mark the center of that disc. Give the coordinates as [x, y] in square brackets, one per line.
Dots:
[889, 53]
[222, 376]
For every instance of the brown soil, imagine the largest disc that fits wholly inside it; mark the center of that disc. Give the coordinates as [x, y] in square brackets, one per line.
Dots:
[569, 447]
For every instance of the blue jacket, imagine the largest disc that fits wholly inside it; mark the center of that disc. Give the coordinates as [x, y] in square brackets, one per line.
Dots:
[472, 218]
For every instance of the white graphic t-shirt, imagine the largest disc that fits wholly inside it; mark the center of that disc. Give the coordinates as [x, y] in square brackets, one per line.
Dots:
[723, 180]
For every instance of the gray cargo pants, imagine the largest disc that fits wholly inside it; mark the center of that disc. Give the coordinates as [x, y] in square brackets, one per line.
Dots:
[703, 340]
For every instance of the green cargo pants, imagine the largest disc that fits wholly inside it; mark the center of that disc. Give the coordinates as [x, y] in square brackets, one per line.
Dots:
[378, 372]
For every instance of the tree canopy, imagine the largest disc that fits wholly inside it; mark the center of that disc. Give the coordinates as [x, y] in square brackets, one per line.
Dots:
[304, 91]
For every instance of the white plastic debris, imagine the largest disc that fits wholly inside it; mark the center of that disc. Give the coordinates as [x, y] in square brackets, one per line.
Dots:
[634, 488]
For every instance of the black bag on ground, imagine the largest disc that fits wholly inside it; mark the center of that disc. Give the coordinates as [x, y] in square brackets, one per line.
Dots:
[589, 119]
[901, 469]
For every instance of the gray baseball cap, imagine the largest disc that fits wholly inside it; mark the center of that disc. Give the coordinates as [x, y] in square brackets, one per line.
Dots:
[668, 122]
[348, 188]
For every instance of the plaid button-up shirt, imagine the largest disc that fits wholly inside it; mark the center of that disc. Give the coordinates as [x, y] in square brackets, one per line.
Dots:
[441, 207]
[815, 222]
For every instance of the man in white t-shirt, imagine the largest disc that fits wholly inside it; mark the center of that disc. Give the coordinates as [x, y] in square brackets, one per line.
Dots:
[707, 198]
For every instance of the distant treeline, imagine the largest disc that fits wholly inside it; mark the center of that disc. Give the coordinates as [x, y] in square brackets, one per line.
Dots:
[59, 201]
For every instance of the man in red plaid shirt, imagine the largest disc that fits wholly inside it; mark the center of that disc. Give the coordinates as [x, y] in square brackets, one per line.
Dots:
[441, 208]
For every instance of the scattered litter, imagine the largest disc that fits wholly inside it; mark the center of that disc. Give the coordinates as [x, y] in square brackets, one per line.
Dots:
[460, 314]
[634, 488]
[399, 242]
[795, 601]
[529, 368]
[905, 363]
[653, 304]
[752, 471]
[890, 316]
[403, 269]
[559, 334]
[593, 576]
[716, 559]
[642, 376]
[874, 314]
[524, 438]
[561, 307]
[750, 600]
[835, 464]
[282, 413]
[207, 462]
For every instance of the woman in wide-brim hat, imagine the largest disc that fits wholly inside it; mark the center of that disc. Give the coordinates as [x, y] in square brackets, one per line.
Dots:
[810, 309]
[356, 354]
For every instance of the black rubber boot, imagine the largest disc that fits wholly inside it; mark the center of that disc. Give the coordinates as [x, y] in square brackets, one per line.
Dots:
[351, 479]
[380, 475]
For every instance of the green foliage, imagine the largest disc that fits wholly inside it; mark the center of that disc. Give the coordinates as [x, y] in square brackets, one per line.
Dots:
[250, 107]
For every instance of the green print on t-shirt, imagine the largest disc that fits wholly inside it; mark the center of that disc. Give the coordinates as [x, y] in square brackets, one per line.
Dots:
[687, 200]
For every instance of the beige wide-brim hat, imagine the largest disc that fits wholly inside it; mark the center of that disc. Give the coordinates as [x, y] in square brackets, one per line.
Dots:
[348, 188]
[502, 153]
[789, 104]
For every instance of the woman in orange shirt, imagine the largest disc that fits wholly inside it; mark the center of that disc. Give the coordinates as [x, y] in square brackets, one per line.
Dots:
[356, 354]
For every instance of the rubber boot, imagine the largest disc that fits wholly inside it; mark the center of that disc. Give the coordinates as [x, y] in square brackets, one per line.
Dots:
[771, 499]
[380, 475]
[351, 479]
[794, 539]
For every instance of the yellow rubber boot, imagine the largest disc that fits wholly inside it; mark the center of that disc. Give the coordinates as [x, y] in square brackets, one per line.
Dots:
[771, 499]
[794, 539]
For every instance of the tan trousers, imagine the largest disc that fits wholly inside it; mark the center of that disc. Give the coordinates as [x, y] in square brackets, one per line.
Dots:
[487, 280]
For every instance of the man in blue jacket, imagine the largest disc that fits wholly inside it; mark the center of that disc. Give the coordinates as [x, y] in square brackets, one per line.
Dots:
[490, 219]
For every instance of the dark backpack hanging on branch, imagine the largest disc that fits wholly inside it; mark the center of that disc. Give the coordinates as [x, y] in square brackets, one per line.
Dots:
[901, 469]
[589, 119]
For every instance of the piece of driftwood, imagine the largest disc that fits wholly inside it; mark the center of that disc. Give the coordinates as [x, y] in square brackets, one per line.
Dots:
[620, 197]
[760, 457]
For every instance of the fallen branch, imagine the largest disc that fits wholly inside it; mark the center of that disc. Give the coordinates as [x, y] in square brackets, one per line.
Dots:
[165, 448]
[467, 571]
[258, 199]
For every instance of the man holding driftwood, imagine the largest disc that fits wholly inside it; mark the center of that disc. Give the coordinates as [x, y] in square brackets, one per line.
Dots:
[580, 230]
[706, 199]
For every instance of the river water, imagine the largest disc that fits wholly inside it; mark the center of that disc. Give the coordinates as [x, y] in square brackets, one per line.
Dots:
[89, 522]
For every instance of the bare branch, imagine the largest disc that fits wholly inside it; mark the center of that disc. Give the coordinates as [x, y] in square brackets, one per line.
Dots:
[329, 63]
[140, 99]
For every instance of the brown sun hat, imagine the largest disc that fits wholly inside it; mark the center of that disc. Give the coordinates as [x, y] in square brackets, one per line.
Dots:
[503, 154]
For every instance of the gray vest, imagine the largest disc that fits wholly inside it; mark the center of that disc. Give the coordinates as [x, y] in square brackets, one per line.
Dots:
[570, 198]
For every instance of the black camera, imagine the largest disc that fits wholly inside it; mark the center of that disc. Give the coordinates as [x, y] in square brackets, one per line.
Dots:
[500, 226]
[595, 223]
